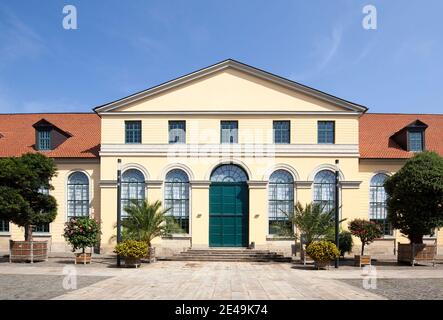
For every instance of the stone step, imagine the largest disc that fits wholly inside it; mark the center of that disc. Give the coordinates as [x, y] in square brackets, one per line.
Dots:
[244, 255]
[232, 259]
[228, 254]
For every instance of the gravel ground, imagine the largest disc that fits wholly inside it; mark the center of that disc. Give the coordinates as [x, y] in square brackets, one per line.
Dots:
[38, 287]
[405, 289]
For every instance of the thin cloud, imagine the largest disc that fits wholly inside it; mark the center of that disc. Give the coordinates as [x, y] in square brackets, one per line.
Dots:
[324, 52]
[17, 40]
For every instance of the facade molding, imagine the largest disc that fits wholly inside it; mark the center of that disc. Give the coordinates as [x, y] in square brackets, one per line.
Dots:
[142, 169]
[254, 184]
[231, 112]
[303, 184]
[281, 166]
[200, 184]
[231, 64]
[234, 150]
[237, 162]
[350, 184]
[177, 165]
[154, 184]
[326, 166]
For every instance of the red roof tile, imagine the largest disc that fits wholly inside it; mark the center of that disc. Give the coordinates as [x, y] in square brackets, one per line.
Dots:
[17, 135]
[376, 130]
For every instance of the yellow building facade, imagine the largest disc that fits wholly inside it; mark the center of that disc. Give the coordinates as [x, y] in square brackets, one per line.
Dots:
[229, 148]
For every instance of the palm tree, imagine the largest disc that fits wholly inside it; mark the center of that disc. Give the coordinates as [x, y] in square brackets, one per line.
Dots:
[311, 220]
[146, 221]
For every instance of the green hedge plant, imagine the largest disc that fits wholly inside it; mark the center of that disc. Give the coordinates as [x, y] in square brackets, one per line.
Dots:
[322, 251]
[131, 249]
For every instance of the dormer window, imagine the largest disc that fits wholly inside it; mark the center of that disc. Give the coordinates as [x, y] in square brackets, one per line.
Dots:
[412, 137]
[48, 136]
[415, 141]
[44, 139]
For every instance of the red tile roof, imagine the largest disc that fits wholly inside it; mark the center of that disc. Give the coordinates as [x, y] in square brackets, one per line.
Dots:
[376, 129]
[17, 135]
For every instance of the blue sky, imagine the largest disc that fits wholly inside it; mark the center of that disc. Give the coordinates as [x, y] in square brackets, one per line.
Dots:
[121, 47]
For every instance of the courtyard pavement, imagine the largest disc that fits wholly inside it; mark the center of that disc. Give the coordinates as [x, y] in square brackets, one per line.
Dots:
[180, 280]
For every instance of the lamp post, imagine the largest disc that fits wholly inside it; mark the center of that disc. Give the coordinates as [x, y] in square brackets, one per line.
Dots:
[119, 205]
[336, 211]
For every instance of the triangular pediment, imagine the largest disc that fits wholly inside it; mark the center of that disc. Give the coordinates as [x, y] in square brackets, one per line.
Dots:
[231, 86]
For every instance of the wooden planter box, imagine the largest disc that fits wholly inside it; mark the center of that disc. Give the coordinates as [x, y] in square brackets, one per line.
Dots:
[28, 251]
[131, 262]
[364, 260]
[84, 258]
[417, 253]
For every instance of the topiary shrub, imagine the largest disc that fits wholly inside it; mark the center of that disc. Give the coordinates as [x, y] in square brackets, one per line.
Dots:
[322, 251]
[366, 231]
[345, 243]
[82, 232]
[131, 249]
[415, 196]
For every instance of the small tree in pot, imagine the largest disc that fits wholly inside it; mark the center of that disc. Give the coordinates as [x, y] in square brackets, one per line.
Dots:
[367, 232]
[146, 221]
[415, 201]
[82, 233]
[23, 202]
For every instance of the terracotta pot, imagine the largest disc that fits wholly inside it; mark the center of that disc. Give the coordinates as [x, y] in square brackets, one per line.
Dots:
[83, 258]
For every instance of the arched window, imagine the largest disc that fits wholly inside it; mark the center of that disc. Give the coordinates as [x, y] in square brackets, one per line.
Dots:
[377, 202]
[281, 200]
[133, 188]
[78, 195]
[229, 173]
[177, 197]
[324, 189]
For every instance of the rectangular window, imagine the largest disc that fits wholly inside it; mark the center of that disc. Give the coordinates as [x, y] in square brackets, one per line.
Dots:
[177, 132]
[4, 225]
[44, 139]
[415, 141]
[133, 132]
[282, 132]
[326, 132]
[229, 132]
[42, 228]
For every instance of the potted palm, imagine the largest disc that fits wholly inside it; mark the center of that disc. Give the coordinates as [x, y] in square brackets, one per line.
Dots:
[146, 221]
[322, 252]
[313, 224]
[82, 233]
[132, 251]
[367, 232]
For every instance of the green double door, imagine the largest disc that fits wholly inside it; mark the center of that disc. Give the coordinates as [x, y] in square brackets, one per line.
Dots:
[228, 214]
